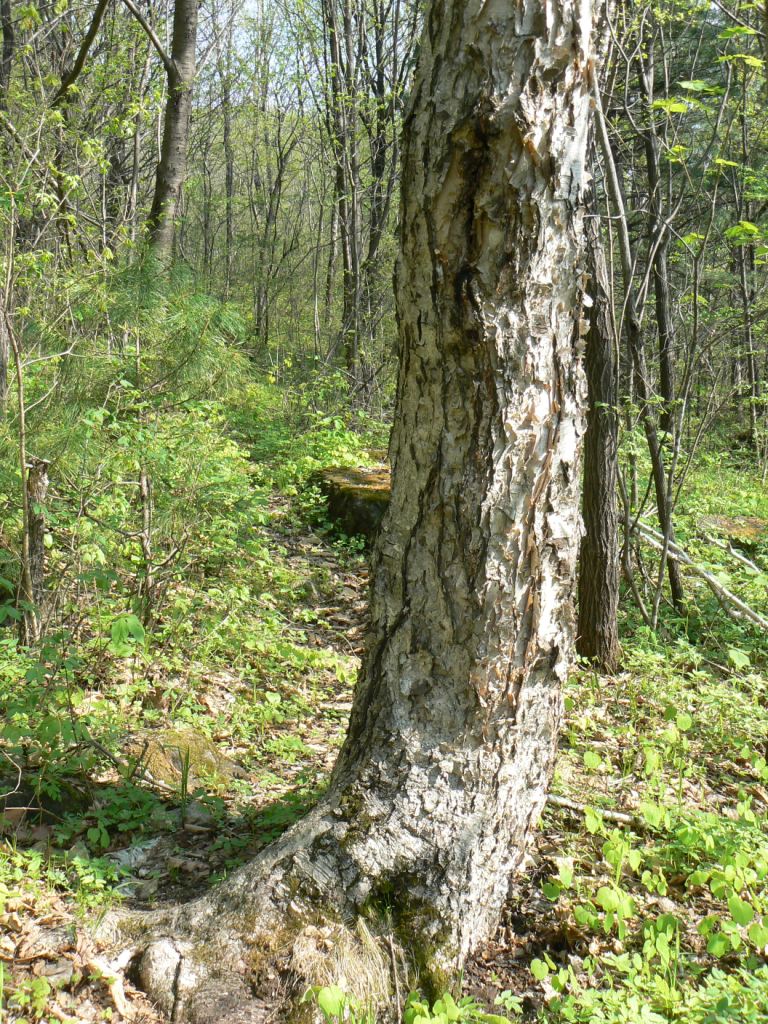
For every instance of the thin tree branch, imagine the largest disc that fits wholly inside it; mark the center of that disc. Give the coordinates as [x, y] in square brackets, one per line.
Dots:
[152, 36]
[72, 75]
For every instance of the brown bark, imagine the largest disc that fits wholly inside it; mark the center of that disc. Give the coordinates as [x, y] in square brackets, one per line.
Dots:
[6, 56]
[69, 79]
[32, 589]
[172, 165]
[598, 637]
[5, 353]
[658, 238]
[454, 726]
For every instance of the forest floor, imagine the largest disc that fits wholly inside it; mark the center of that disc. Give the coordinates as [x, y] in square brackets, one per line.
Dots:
[645, 895]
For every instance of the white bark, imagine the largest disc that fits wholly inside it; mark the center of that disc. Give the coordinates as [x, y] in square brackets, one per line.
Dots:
[454, 727]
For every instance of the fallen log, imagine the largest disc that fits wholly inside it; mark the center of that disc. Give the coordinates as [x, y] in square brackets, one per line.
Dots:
[734, 607]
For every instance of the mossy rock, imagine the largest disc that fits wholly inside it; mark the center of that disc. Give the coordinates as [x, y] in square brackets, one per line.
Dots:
[745, 530]
[357, 498]
[164, 754]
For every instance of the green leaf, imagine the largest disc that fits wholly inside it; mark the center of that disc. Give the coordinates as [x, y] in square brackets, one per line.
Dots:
[737, 30]
[758, 934]
[635, 858]
[718, 944]
[565, 872]
[592, 760]
[126, 632]
[683, 721]
[539, 969]
[331, 1001]
[593, 820]
[741, 911]
[607, 899]
[551, 890]
[699, 85]
[670, 106]
[736, 657]
[653, 813]
[696, 878]
[450, 1008]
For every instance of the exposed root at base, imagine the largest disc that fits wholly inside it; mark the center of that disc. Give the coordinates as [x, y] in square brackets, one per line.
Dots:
[218, 978]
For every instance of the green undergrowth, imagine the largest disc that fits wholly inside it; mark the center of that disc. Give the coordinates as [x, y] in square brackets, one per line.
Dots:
[657, 877]
[176, 606]
[232, 629]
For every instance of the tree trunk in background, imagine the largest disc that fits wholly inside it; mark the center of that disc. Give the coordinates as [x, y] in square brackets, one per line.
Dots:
[172, 166]
[598, 637]
[746, 263]
[6, 56]
[453, 731]
[6, 64]
[5, 354]
[32, 581]
[225, 77]
[636, 348]
[658, 237]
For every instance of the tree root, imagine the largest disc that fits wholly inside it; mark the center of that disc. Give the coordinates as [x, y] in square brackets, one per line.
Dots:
[250, 949]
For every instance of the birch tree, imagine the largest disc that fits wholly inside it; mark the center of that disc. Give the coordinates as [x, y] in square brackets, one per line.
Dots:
[454, 726]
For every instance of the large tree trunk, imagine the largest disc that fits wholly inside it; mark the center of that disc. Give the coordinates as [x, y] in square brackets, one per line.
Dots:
[598, 637]
[454, 726]
[172, 166]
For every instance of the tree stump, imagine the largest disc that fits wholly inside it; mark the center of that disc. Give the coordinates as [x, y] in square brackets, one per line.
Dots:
[357, 498]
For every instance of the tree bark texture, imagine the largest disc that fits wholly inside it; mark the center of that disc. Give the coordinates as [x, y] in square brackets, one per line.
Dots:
[658, 239]
[454, 726]
[598, 637]
[172, 165]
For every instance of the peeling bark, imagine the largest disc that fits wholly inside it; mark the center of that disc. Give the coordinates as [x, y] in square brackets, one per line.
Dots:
[454, 726]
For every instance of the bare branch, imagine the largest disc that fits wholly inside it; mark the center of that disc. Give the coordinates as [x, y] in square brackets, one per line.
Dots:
[151, 35]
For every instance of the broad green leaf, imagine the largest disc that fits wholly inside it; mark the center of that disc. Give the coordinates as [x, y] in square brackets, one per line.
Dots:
[607, 899]
[592, 760]
[739, 659]
[699, 85]
[551, 890]
[670, 106]
[593, 820]
[331, 1001]
[539, 969]
[741, 911]
[737, 30]
[718, 944]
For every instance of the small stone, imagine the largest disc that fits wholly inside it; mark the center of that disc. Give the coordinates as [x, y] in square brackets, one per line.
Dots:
[196, 813]
[157, 969]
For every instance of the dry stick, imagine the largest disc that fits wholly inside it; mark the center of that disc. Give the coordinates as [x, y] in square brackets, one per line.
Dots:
[738, 555]
[729, 600]
[621, 817]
